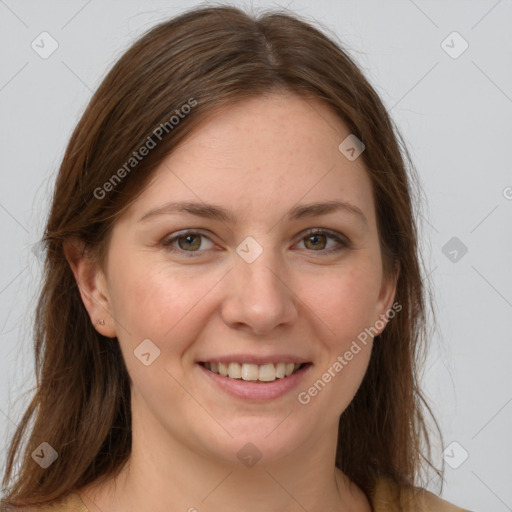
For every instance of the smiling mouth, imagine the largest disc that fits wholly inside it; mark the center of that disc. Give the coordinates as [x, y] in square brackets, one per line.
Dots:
[263, 373]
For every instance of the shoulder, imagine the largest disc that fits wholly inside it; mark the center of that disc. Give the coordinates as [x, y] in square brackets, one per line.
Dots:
[387, 496]
[69, 503]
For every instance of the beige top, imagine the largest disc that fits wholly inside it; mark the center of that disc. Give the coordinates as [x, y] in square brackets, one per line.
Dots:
[386, 497]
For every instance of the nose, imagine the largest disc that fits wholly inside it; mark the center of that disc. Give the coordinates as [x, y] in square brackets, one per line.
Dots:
[259, 299]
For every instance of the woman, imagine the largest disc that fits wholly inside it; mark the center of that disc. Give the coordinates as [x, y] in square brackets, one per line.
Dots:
[233, 310]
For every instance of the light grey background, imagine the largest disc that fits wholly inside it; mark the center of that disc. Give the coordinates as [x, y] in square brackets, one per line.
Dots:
[455, 115]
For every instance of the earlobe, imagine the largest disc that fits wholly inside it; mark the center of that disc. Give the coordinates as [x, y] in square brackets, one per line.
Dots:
[92, 284]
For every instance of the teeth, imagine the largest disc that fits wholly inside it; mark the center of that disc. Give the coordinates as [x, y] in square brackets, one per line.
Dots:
[265, 373]
[223, 369]
[280, 370]
[234, 371]
[249, 372]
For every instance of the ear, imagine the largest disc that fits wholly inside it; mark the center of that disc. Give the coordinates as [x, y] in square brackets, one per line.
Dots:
[386, 297]
[92, 284]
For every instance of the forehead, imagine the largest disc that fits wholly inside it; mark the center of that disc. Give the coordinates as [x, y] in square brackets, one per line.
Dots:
[280, 125]
[259, 154]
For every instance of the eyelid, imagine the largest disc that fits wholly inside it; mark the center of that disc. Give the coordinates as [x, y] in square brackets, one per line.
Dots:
[170, 239]
[342, 241]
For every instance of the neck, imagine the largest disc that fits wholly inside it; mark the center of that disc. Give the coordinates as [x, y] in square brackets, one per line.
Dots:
[165, 474]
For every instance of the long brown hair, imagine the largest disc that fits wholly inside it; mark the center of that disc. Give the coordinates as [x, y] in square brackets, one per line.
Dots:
[210, 57]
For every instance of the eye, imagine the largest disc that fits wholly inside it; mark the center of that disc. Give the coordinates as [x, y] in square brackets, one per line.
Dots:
[192, 243]
[317, 239]
[187, 242]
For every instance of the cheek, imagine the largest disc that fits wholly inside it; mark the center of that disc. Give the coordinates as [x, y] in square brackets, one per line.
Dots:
[161, 304]
[346, 304]
[333, 386]
[345, 300]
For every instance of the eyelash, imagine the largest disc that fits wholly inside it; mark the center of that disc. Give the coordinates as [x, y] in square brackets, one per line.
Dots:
[343, 243]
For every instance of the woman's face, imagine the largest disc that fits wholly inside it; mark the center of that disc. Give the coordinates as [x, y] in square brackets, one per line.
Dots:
[236, 277]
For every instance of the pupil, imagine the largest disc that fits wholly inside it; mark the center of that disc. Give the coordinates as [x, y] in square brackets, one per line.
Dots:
[189, 240]
[315, 240]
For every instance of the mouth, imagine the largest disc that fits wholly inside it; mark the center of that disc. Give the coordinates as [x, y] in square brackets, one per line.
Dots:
[249, 372]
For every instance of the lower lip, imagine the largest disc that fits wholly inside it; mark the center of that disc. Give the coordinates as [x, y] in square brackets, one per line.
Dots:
[257, 391]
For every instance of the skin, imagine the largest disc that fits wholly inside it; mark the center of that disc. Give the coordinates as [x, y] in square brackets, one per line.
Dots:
[258, 159]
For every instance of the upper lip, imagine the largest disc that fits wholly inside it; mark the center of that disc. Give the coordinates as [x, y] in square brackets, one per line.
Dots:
[255, 359]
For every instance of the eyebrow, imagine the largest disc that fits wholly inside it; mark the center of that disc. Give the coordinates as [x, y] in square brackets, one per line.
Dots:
[212, 211]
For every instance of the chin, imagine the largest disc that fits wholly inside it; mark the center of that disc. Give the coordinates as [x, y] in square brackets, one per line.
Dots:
[257, 439]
